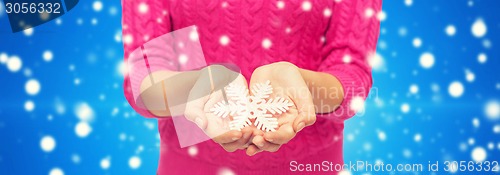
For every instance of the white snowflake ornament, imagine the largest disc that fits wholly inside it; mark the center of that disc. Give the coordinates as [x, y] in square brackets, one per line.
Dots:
[243, 107]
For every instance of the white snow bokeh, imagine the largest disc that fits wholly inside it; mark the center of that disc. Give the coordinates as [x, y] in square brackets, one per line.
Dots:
[84, 112]
[32, 87]
[193, 151]
[381, 135]
[14, 64]
[369, 12]
[491, 146]
[280, 4]
[427, 60]
[407, 153]
[128, 39]
[266, 43]
[402, 31]
[357, 104]
[225, 171]
[29, 106]
[3, 58]
[456, 89]
[347, 58]
[122, 68]
[413, 89]
[47, 56]
[408, 2]
[496, 129]
[417, 137]
[97, 6]
[118, 36]
[48, 143]
[469, 76]
[482, 58]
[479, 154]
[224, 40]
[94, 21]
[56, 171]
[381, 16]
[193, 35]
[83, 129]
[327, 12]
[417, 42]
[450, 30]
[476, 122]
[487, 43]
[183, 59]
[492, 110]
[134, 162]
[306, 6]
[76, 158]
[405, 108]
[376, 61]
[143, 7]
[29, 31]
[479, 28]
[105, 163]
[471, 141]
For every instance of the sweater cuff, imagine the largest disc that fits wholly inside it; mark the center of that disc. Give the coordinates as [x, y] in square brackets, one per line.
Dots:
[354, 95]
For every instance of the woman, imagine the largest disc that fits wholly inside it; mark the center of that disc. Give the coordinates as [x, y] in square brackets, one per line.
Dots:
[318, 45]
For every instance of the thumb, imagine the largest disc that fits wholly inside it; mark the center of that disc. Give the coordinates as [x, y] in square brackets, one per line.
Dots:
[194, 112]
[306, 114]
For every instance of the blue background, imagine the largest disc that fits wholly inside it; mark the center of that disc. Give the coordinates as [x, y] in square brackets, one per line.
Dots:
[87, 59]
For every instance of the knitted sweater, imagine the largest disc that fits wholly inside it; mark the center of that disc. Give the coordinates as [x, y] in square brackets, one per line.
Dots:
[331, 36]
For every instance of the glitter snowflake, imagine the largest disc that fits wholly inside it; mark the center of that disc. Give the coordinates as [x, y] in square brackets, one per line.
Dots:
[244, 108]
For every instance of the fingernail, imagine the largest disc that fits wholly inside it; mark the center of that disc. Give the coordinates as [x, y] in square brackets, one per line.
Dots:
[301, 126]
[199, 122]
[260, 145]
[235, 138]
[269, 139]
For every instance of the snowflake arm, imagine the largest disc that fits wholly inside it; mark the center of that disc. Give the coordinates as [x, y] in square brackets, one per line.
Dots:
[237, 92]
[262, 90]
[239, 122]
[224, 109]
[277, 105]
[266, 122]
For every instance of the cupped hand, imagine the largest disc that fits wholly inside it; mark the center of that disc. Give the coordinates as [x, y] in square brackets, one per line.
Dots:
[287, 82]
[207, 91]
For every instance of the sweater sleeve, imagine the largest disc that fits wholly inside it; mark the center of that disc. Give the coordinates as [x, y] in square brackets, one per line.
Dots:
[142, 22]
[351, 38]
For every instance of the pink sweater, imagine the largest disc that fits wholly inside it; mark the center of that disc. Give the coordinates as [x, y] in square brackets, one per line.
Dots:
[332, 36]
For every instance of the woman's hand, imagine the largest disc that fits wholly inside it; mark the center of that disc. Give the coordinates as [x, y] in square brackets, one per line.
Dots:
[206, 92]
[288, 83]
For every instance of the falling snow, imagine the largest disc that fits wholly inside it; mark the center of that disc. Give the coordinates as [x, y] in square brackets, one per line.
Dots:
[479, 28]
[48, 143]
[427, 60]
[456, 89]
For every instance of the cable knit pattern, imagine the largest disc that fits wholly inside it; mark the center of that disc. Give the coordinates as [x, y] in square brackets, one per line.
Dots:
[335, 37]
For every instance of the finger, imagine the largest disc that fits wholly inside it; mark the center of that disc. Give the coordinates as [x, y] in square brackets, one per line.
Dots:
[265, 145]
[252, 150]
[195, 114]
[233, 146]
[257, 132]
[228, 137]
[306, 115]
[247, 133]
[281, 136]
[241, 143]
